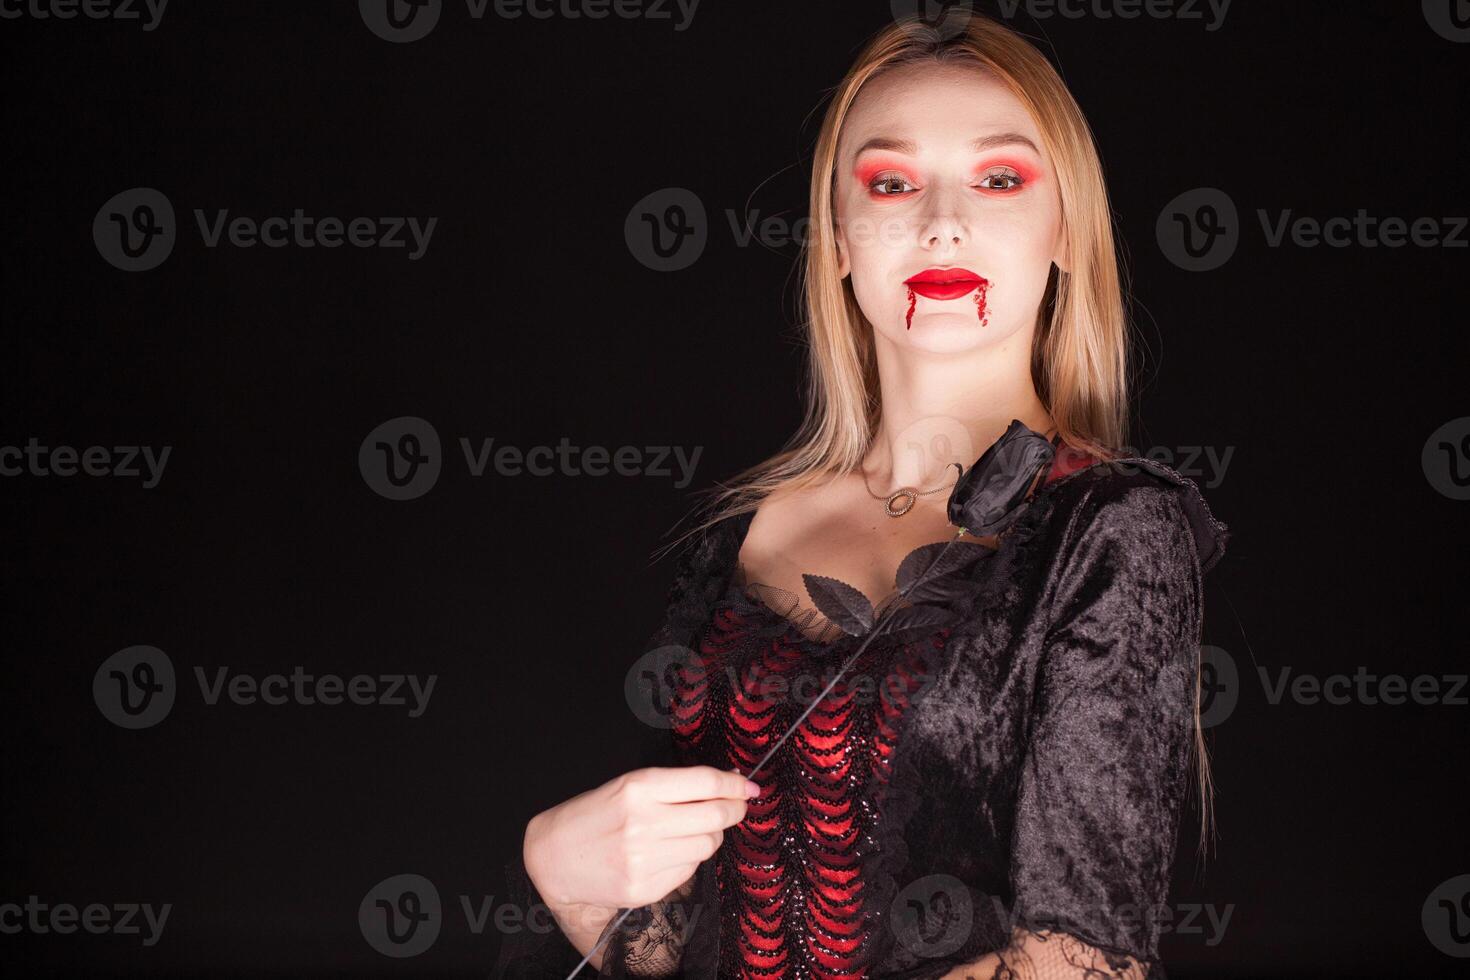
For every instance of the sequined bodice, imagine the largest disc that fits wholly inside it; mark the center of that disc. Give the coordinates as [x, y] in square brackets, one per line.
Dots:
[790, 874]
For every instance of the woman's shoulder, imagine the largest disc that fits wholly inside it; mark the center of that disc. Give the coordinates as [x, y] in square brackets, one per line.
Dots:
[1140, 500]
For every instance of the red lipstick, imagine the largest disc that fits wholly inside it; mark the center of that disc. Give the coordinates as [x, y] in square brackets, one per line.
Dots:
[943, 283]
[946, 284]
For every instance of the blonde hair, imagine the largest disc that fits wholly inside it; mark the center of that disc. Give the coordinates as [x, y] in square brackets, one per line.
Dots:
[1080, 356]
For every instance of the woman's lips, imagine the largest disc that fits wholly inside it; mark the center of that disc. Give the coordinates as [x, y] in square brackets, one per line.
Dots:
[944, 283]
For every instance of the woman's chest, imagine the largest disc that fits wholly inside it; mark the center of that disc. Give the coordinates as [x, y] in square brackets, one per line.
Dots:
[851, 541]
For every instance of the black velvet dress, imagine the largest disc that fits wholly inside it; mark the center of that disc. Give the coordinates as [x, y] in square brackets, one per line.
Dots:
[1010, 784]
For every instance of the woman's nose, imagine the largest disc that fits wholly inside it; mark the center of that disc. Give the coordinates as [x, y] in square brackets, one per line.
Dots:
[943, 225]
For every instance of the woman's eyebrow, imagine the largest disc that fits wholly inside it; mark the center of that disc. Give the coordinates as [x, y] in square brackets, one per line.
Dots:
[978, 144]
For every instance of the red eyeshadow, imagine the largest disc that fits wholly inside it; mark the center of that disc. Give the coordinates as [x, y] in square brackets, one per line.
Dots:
[869, 169]
[1028, 171]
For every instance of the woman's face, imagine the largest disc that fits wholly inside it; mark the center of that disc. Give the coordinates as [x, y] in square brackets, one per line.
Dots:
[941, 168]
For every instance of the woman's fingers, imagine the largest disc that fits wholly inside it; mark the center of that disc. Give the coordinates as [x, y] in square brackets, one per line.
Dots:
[684, 784]
[707, 816]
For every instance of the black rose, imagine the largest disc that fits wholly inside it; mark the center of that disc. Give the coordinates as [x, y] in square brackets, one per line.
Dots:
[988, 497]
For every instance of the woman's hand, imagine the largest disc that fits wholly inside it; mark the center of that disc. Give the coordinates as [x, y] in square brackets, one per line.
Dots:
[629, 842]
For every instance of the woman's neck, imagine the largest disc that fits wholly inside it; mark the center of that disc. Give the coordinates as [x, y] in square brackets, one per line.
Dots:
[920, 437]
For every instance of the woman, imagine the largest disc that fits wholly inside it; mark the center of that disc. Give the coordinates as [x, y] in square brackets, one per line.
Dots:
[995, 793]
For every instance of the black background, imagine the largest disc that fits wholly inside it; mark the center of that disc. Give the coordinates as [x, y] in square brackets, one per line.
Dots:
[1324, 369]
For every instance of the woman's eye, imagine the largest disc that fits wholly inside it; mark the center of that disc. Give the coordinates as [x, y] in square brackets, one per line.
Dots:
[1007, 180]
[887, 185]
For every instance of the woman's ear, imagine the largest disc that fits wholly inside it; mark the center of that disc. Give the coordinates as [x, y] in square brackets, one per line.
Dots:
[844, 264]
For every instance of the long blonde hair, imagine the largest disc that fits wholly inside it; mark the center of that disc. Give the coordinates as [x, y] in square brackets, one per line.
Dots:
[1080, 358]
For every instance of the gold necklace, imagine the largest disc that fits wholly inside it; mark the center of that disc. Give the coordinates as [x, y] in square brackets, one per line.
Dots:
[911, 495]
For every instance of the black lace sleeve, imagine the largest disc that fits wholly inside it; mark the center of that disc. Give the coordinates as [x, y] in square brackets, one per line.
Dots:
[652, 941]
[675, 936]
[1108, 755]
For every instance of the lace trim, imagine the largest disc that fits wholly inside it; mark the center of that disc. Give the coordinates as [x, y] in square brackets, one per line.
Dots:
[806, 622]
